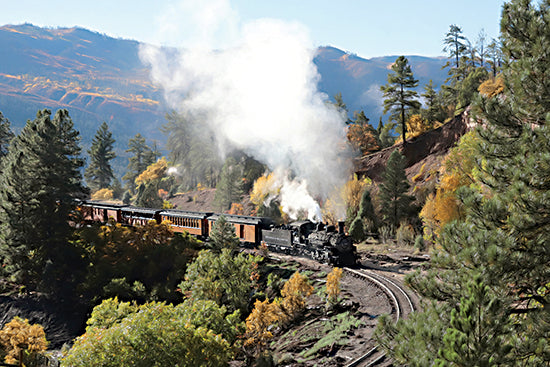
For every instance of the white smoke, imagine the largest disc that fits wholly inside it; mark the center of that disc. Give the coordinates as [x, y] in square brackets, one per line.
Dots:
[260, 95]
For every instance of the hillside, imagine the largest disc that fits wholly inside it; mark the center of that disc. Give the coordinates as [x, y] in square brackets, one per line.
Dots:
[99, 78]
[427, 149]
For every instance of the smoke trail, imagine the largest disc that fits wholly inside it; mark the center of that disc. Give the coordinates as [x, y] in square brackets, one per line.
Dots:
[260, 95]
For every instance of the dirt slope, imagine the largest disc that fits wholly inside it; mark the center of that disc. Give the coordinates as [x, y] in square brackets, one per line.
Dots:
[427, 149]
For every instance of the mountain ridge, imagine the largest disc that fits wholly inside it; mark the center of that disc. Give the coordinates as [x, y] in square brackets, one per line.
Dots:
[101, 78]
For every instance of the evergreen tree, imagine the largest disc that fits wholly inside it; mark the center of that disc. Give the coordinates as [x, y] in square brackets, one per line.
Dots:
[230, 187]
[5, 136]
[40, 180]
[456, 45]
[385, 136]
[356, 230]
[504, 237]
[99, 173]
[434, 111]
[142, 157]
[223, 235]
[396, 204]
[193, 150]
[398, 93]
[479, 330]
[366, 210]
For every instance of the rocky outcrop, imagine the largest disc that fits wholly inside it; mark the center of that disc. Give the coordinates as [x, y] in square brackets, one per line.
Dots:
[428, 148]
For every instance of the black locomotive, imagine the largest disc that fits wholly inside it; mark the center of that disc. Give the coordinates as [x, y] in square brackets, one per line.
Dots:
[322, 243]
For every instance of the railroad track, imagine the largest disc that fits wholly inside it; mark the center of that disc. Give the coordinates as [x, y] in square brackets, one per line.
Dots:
[402, 305]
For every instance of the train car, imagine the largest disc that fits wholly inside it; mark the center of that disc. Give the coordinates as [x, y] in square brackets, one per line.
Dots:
[100, 211]
[136, 216]
[247, 229]
[194, 223]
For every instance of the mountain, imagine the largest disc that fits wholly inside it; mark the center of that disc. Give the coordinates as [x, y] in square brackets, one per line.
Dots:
[359, 79]
[99, 78]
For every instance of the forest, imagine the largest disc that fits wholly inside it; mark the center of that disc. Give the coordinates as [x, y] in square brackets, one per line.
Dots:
[156, 298]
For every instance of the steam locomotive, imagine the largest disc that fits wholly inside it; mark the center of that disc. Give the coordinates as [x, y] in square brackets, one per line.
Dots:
[322, 243]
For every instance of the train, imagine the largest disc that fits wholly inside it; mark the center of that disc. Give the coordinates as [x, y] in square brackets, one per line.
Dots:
[323, 243]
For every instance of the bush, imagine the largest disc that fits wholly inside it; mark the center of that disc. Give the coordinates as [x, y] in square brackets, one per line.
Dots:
[19, 339]
[405, 235]
[154, 334]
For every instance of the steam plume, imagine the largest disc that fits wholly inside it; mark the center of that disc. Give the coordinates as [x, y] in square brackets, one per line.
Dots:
[260, 95]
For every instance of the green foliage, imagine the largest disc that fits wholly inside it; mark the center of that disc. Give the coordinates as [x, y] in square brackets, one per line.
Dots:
[142, 263]
[5, 136]
[396, 203]
[230, 187]
[40, 180]
[335, 332]
[434, 110]
[415, 341]
[491, 270]
[193, 150]
[99, 173]
[155, 334]
[385, 135]
[399, 96]
[356, 230]
[223, 235]
[142, 157]
[224, 278]
[479, 330]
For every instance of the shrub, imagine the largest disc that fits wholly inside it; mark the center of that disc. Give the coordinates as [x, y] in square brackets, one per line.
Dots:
[155, 334]
[22, 342]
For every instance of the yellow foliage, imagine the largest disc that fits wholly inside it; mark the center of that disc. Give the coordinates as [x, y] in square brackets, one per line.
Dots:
[353, 190]
[103, 194]
[420, 174]
[236, 209]
[259, 321]
[459, 169]
[294, 292]
[492, 87]
[154, 172]
[361, 138]
[19, 338]
[333, 285]
[264, 187]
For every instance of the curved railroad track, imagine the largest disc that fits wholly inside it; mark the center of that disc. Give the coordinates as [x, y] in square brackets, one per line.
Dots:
[401, 305]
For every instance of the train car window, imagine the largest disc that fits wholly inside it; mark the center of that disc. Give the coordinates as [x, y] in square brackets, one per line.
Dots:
[241, 231]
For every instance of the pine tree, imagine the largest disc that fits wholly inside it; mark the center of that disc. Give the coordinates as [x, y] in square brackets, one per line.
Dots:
[230, 187]
[455, 43]
[142, 157]
[99, 173]
[40, 180]
[223, 235]
[399, 96]
[478, 334]
[396, 204]
[5, 136]
[504, 237]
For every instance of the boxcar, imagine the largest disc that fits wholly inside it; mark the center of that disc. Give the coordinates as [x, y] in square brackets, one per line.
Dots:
[194, 223]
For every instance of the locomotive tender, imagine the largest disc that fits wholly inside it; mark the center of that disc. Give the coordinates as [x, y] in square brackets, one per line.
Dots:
[301, 238]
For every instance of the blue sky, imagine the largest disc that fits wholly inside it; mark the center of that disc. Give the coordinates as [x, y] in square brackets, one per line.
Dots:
[368, 28]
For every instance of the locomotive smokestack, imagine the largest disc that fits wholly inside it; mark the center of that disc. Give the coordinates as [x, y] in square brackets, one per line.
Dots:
[341, 225]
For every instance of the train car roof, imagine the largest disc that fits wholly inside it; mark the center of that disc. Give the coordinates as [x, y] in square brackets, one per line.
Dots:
[241, 219]
[184, 214]
[137, 209]
[103, 204]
